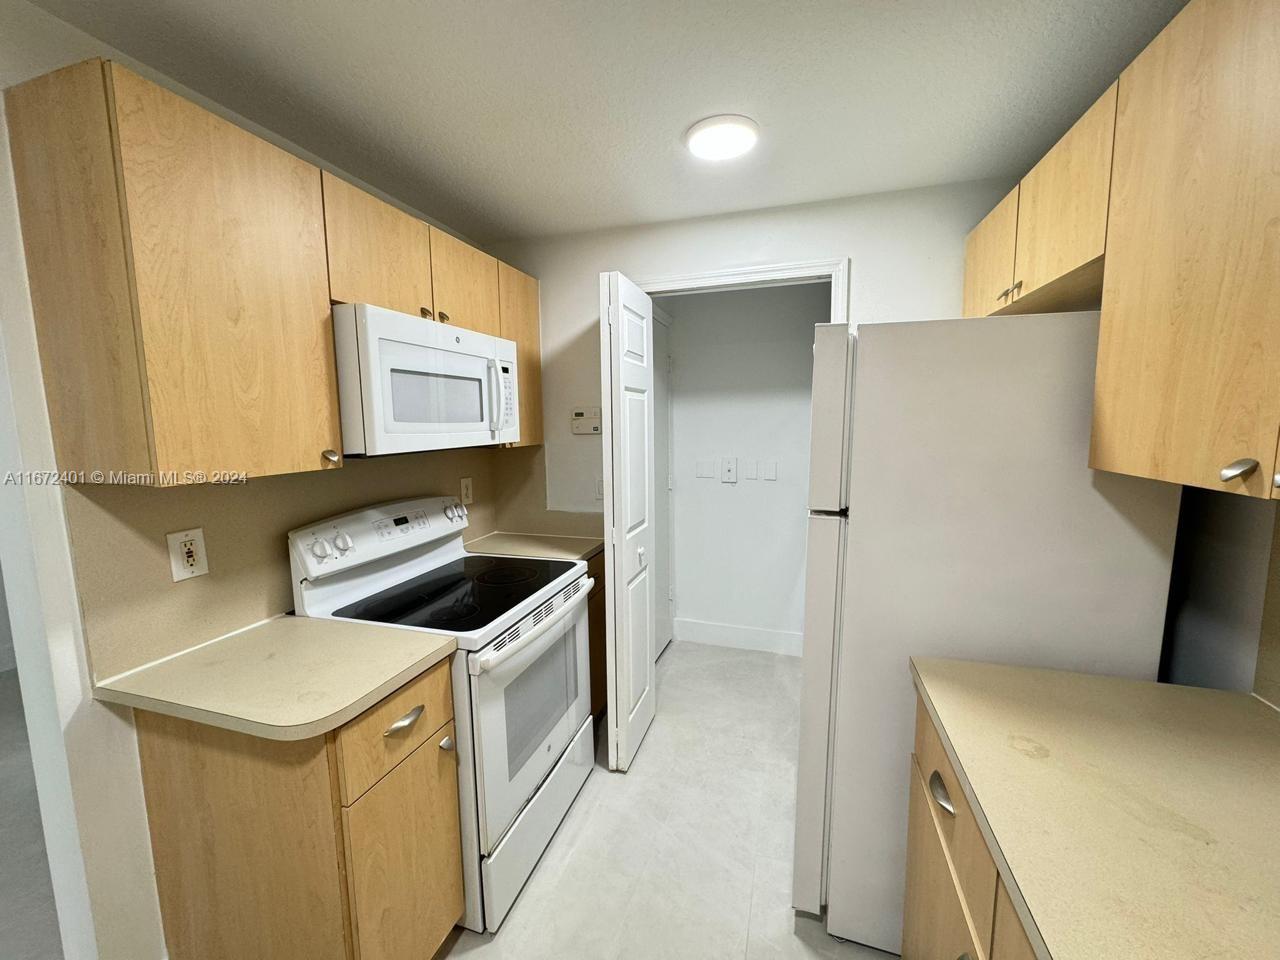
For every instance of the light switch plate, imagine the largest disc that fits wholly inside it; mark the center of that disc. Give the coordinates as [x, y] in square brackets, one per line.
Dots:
[768, 469]
[187, 558]
[729, 470]
[705, 470]
[749, 470]
[467, 493]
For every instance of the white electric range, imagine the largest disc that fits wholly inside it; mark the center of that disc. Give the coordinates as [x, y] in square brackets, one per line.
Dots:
[521, 687]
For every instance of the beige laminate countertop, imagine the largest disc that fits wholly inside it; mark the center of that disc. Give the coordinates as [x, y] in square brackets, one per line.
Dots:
[538, 545]
[1128, 819]
[288, 678]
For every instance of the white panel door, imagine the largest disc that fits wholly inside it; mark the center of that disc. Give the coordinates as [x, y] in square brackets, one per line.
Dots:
[626, 373]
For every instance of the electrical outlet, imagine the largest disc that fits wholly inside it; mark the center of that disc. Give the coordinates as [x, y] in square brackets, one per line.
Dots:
[600, 488]
[467, 494]
[187, 558]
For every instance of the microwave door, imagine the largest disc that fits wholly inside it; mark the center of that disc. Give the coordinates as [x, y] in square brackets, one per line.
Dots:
[426, 398]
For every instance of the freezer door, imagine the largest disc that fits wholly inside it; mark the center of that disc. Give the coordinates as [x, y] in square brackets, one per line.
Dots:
[824, 573]
[829, 420]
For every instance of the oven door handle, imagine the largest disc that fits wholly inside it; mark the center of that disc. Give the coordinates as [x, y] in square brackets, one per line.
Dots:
[498, 421]
[491, 660]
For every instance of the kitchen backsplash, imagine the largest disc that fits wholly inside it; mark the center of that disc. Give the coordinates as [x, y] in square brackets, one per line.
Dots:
[134, 613]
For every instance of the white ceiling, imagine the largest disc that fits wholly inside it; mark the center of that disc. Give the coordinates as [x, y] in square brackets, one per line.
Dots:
[515, 119]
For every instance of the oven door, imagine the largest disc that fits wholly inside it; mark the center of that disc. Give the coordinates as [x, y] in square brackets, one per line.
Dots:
[528, 700]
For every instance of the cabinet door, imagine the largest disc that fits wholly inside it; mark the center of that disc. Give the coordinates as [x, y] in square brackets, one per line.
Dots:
[404, 856]
[227, 238]
[1062, 202]
[377, 254]
[1189, 350]
[934, 924]
[465, 284]
[1009, 940]
[988, 259]
[518, 311]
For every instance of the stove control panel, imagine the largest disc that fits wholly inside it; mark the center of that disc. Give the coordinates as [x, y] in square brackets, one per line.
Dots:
[341, 543]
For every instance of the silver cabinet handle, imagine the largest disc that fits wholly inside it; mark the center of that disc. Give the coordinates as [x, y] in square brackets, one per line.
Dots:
[426, 313]
[331, 455]
[405, 722]
[940, 795]
[1275, 481]
[1238, 469]
[446, 743]
[1016, 287]
[1004, 293]
[442, 317]
[964, 956]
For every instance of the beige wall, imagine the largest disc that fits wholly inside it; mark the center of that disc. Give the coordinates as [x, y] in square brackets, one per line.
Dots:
[133, 611]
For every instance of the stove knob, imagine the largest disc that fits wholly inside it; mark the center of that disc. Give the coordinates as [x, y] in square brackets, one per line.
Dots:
[450, 513]
[343, 542]
[463, 509]
[321, 549]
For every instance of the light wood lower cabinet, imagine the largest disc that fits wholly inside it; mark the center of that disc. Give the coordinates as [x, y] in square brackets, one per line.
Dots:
[178, 280]
[404, 858]
[957, 907]
[257, 853]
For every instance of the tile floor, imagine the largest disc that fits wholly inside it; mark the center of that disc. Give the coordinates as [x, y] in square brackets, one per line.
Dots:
[28, 922]
[689, 854]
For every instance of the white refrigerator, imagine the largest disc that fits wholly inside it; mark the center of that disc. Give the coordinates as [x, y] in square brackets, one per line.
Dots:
[968, 524]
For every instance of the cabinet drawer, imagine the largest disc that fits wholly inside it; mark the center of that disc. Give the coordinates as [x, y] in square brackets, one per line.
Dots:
[934, 923]
[367, 747]
[975, 870]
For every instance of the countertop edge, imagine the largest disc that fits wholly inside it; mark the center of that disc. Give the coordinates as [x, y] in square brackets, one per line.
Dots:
[984, 827]
[315, 727]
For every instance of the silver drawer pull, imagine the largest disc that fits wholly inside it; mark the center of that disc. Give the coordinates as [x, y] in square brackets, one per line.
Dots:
[940, 795]
[405, 722]
[446, 743]
[331, 455]
[1238, 469]
[1275, 481]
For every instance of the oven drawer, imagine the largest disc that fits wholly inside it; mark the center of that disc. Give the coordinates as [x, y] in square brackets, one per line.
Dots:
[374, 742]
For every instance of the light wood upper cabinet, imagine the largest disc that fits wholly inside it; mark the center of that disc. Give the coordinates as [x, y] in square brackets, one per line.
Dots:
[1188, 376]
[377, 253]
[521, 321]
[465, 284]
[178, 278]
[988, 259]
[405, 856]
[1062, 202]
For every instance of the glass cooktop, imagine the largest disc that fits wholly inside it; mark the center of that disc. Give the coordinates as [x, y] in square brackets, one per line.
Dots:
[459, 597]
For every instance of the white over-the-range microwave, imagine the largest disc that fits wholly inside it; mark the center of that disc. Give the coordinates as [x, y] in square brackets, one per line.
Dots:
[408, 384]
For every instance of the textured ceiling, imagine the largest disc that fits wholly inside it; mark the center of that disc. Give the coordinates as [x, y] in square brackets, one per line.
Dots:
[507, 119]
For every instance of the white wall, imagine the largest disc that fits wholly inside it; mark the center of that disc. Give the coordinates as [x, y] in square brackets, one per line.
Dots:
[741, 387]
[907, 253]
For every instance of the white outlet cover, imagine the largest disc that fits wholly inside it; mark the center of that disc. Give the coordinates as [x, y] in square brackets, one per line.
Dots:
[729, 470]
[705, 470]
[749, 470]
[768, 469]
[186, 566]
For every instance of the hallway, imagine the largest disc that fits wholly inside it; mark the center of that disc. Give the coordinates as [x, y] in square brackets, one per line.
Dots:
[689, 854]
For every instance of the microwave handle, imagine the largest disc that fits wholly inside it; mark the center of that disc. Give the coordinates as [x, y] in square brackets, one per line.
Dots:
[491, 660]
[499, 420]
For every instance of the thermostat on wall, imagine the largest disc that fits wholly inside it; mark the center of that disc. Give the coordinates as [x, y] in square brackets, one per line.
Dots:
[585, 420]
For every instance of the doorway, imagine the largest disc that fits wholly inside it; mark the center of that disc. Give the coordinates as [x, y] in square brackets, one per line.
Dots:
[735, 575]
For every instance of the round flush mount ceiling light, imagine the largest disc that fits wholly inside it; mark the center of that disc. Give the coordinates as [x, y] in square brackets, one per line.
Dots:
[722, 137]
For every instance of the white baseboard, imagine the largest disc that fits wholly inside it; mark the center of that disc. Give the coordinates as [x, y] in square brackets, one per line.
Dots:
[741, 638]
